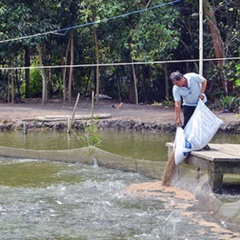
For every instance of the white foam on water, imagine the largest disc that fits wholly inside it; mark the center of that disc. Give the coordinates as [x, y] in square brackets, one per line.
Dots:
[95, 206]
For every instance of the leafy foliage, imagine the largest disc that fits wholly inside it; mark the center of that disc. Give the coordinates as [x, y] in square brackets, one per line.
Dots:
[238, 75]
[35, 84]
[160, 34]
[90, 135]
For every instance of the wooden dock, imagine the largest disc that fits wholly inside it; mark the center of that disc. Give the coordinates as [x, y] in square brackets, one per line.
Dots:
[221, 159]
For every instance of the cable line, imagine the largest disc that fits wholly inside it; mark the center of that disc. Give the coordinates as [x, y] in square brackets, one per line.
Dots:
[117, 64]
[88, 24]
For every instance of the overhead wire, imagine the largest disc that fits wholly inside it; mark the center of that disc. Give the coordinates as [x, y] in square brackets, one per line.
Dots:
[118, 64]
[65, 30]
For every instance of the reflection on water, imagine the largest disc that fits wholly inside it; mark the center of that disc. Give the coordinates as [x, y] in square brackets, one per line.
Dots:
[49, 200]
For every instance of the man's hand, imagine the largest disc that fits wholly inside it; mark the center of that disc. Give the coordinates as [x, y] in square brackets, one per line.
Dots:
[178, 113]
[202, 96]
[178, 122]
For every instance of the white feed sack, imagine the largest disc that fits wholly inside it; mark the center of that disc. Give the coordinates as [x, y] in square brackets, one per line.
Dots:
[182, 149]
[198, 132]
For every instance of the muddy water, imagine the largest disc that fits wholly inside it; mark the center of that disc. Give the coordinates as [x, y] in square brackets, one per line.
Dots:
[49, 200]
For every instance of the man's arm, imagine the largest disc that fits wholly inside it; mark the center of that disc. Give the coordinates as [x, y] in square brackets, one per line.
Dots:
[178, 114]
[203, 89]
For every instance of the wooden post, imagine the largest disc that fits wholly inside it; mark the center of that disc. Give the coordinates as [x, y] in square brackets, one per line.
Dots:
[69, 123]
[74, 109]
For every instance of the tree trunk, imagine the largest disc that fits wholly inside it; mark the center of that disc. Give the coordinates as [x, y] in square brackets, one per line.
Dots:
[8, 88]
[12, 85]
[166, 81]
[70, 81]
[44, 78]
[131, 92]
[18, 74]
[97, 62]
[135, 84]
[216, 39]
[64, 70]
[27, 71]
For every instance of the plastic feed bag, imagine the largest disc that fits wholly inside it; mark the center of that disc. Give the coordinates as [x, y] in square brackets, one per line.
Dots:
[182, 147]
[198, 132]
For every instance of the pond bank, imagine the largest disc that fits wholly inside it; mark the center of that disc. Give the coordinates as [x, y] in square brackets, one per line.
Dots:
[130, 117]
[232, 127]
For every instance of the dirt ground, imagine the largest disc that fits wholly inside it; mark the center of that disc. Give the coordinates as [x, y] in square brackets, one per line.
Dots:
[150, 113]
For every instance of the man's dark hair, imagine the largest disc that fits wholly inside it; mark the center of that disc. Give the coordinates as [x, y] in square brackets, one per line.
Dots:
[175, 76]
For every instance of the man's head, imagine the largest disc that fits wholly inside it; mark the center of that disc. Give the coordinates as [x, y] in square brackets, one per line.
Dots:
[177, 79]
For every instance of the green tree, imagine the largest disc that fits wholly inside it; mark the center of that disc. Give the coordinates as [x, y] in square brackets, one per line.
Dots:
[152, 37]
[112, 34]
[94, 12]
[221, 40]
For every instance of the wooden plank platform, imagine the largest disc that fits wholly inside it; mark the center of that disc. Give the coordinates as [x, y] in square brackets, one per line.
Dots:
[221, 159]
[55, 118]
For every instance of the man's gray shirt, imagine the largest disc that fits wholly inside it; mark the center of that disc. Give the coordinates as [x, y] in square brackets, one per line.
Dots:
[189, 94]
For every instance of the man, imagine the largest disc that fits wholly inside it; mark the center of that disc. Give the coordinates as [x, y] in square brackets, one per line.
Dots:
[190, 87]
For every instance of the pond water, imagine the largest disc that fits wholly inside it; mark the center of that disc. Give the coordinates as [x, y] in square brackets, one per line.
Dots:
[130, 144]
[53, 200]
[150, 146]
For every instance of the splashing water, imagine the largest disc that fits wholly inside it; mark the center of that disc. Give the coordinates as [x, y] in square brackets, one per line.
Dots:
[75, 201]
